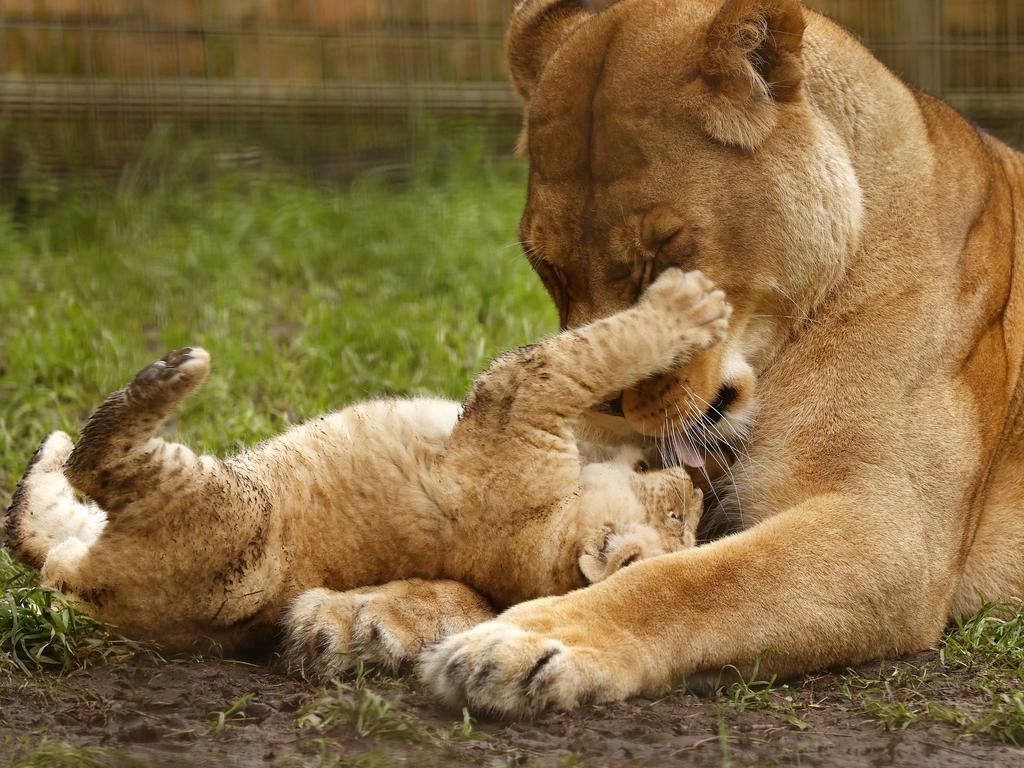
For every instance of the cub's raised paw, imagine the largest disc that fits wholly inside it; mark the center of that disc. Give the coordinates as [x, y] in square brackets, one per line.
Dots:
[693, 303]
[174, 375]
[501, 670]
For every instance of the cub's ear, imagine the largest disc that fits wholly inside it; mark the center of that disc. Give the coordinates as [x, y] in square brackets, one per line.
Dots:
[537, 29]
[751, 63]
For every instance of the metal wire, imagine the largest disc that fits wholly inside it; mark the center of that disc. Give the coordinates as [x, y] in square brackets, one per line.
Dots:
[118, 67]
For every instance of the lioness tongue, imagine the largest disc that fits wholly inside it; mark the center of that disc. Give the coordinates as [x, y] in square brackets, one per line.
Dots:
[687, 454]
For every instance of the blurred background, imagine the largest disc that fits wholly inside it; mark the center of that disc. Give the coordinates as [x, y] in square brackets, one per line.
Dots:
[335, 86]
[321, 192]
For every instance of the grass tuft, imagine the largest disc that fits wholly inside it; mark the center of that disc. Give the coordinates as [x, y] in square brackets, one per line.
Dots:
[57, 754]
[361, 710]
[234, 713]
[991, 642]
[41, 629]
[986, 650]
[754, 692]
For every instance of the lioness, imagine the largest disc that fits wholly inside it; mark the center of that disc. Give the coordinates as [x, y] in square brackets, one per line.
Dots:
[177, 548]
[872, 243]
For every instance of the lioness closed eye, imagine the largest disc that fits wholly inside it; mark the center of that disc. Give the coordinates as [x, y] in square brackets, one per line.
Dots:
[177, 547]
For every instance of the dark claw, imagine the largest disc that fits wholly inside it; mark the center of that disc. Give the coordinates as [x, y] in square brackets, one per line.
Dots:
[176, 356]
[456, 669]
[538, 667]
[376, 636]
[324, 643]
[482, 675]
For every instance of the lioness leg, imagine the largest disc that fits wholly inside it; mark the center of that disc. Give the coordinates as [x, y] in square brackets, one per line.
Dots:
[734, 601]
[327, 633]
[994, 569]
[117, 460]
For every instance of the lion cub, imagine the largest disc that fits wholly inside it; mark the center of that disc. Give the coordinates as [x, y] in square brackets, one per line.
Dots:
[494, 494]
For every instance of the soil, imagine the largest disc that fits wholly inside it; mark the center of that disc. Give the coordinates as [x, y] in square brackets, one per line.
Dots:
[166, 714]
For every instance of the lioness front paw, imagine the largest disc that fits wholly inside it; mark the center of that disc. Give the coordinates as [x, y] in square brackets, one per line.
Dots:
[502, 670]
[692, 302]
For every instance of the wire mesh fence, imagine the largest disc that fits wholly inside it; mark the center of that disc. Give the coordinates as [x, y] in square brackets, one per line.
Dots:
[337, 82]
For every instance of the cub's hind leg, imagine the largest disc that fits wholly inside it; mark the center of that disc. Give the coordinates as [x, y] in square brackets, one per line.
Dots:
[44, 513]
[328, 633]
[118, 460]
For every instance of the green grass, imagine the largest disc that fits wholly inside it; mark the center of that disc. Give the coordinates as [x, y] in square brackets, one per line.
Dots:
[57, 754]
[220, 721]
[975, 685]
[363, 712]
[990, 643]
[986, 650]
[41, 629]
[307, 297]
[756, 692]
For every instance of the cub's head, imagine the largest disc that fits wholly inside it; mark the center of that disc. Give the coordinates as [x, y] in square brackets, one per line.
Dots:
[629, 512]
[682, 133]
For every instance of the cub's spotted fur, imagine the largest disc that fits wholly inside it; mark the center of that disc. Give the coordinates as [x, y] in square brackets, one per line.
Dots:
[420, 496]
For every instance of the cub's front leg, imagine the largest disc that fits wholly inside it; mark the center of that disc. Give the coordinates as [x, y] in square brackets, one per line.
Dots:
[677, 316]
[559, 378]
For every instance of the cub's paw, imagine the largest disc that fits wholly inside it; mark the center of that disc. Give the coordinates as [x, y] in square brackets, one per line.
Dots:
[60, 570]
[617, 547]
[499, 669]
[328, 633]
[35, 518]
[172, 376]
[691, 301]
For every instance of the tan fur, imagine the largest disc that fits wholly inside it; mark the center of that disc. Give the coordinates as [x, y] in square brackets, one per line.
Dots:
[496, 496]
[871, 241]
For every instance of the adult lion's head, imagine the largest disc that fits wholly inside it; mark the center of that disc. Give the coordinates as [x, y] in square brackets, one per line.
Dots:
[679, 133]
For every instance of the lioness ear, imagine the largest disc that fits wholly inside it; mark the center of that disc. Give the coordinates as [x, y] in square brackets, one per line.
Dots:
[752, 62]
[537, 28]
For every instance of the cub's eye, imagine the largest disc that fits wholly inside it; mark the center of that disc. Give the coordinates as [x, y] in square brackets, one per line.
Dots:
[673, 515]
[641, 467]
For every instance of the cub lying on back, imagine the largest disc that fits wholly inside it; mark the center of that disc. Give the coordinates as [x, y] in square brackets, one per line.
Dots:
[177, 548]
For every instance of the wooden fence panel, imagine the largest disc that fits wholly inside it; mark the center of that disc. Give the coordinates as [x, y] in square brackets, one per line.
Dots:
[970, 51]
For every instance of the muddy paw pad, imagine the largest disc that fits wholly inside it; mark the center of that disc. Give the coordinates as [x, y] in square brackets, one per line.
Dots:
[178, 371]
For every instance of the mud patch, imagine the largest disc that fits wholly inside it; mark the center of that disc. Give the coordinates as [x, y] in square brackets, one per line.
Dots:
[189, 713]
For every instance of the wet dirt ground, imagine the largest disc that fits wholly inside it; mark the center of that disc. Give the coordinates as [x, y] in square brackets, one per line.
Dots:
[169, 714]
